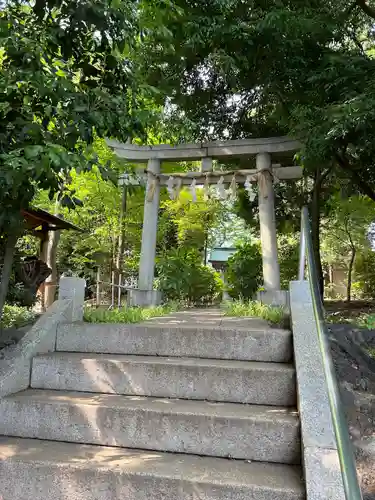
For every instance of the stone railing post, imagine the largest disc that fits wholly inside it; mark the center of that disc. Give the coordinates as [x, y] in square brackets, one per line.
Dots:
[74, 289]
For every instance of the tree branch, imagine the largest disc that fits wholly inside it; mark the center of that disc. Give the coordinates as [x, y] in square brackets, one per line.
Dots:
[367, 9]
[363, 186]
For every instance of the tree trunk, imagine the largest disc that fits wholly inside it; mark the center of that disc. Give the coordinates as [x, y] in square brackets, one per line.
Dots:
[315, 227]
[205, 249]
[351, 264]
[350, 272]
[7, 268]
[51, 261]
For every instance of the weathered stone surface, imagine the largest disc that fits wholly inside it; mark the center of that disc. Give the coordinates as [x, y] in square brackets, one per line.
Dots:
[15, 365]
[259, 433]
[323, 474]
[316, 420]
[275, 298]
[186, 378]
[144, 298]
[217, 149]
[319, 445]
[73, 289]
[44, 470]
[164, 339]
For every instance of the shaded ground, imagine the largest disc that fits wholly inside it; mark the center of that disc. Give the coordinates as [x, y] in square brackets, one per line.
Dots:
[356, 372]
[11, 336]
[355, 312]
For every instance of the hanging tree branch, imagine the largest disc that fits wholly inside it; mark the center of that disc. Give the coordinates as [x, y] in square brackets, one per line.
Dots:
[364, 187]
[367, 9]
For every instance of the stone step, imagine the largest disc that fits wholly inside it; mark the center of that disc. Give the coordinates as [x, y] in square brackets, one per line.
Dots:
[184, 378]
[164, 339]
[44, 470]
[262, 433]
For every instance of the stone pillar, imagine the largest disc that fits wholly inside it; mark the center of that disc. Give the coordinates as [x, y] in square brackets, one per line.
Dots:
[74, 289]
[271, 270]
[144, 295]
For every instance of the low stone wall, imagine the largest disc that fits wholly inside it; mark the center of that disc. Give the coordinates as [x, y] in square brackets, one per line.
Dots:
[319, 446]
[15, 366]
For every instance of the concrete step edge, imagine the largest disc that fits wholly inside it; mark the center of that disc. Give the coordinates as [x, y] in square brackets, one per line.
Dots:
[94, 469]
[249, 382]
[237, 344]
[213, 429]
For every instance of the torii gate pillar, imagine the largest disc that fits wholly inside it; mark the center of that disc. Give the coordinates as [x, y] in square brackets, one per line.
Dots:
[145, 295]
[272, 293]
[271, 270]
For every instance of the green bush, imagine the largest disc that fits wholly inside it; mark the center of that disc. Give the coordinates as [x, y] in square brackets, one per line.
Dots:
[288, 250]
[364, 271]
[183, 277]
[244, 272]
[16, 316]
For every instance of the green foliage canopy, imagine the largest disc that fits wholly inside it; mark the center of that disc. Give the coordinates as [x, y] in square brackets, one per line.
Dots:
[64, 79]
[242, 68]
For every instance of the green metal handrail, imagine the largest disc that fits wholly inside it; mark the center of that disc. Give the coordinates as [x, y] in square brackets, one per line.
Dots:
[340, 425]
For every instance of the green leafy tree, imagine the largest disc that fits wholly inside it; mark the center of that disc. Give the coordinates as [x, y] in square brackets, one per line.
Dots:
[288, 248]
[64, 79]
[346, 233]
[188, 223]
[364, 271]
[244, 272]
[183, 277]
[244, 68]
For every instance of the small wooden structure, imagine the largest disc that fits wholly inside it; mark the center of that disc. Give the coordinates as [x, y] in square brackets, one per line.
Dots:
[39, 273]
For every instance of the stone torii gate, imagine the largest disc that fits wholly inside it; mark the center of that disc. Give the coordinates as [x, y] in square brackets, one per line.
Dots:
[265, 151]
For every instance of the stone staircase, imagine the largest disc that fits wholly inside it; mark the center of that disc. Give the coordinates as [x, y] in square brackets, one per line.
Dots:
[191, 407]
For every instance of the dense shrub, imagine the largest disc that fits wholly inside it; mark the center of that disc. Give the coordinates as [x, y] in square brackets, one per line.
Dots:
[244, 272]
[364, 274]
[183, 277]
[16, 316]
[288, 250]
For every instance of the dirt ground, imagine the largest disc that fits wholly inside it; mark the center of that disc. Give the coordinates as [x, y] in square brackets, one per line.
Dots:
[355, 369]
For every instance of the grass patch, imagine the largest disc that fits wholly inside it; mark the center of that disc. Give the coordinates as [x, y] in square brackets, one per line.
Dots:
[16, 316]
[367, 321]
[127, 314]
[276, 315]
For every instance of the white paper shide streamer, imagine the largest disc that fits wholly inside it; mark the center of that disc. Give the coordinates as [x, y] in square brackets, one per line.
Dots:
[249, 188]
[221, 189]
[193, 190]
[170, 188]
[232, 191]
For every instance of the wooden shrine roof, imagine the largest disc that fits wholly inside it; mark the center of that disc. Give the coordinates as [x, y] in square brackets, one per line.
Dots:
[36, 217]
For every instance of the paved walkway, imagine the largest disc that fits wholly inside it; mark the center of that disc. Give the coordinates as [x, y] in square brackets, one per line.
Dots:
[209, 317]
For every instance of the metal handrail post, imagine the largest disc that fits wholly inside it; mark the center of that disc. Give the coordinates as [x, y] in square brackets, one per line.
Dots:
[302, 255]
